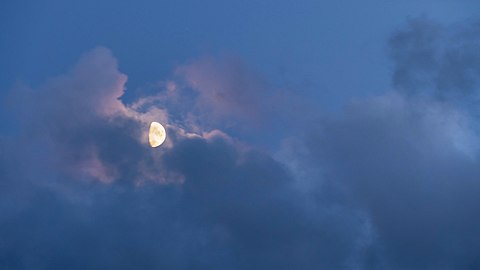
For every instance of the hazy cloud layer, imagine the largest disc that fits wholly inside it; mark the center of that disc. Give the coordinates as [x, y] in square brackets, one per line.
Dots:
[437, 60]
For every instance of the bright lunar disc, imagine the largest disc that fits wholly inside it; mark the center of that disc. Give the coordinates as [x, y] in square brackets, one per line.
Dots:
[156, 134]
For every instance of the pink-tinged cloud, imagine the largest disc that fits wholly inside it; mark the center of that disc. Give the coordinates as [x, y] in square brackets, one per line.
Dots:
[80, 115]
[226, 88]
[92, 166]
[92, 134]
[223, 92]
[91, 89]
[95, 135]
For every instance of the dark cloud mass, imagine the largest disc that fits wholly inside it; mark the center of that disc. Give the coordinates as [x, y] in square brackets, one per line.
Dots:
[392, 179]
[87, 193]
[407, 163]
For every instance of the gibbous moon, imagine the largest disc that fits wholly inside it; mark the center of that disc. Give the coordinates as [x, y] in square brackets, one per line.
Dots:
[156, 134]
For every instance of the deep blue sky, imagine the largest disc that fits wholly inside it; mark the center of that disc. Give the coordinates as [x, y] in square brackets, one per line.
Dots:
[300, 134]
[336, 46]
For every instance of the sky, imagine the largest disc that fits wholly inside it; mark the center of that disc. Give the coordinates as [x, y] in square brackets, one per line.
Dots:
[300, 134]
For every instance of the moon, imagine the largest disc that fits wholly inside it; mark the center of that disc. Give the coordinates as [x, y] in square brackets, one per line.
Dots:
[156, 134]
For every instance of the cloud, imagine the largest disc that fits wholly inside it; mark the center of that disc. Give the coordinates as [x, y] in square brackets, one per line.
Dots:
[87, 128]
[439, 60]
[409, 158]
[391, 182]
[225, 87]
[407, 163]
[96, 196]
[224, 91]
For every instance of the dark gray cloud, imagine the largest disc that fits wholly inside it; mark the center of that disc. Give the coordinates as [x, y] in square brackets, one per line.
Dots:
[412, 165]
[235, 210]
